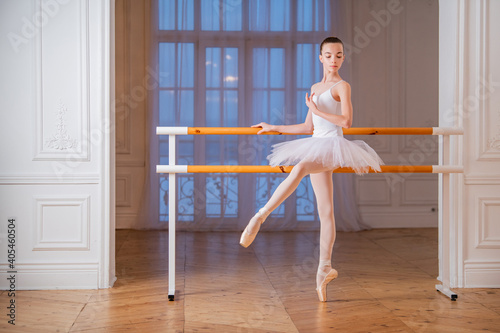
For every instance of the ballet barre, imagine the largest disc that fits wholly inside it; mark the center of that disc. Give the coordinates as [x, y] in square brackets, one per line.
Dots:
[172, 169]
[165, 130]
[288, 169]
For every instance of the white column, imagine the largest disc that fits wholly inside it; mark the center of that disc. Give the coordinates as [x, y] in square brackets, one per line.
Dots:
[469, 95]
[56, 129]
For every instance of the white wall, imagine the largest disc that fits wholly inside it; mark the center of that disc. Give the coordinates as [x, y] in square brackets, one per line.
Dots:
[133, 84]
[56, 171]
[469, 92]
[392, 52]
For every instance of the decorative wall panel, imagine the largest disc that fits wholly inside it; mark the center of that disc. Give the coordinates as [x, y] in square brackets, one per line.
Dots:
[373, 191]
[488, 222]
[483, 101]
[395, 85]
[419, 190]
[62, 83]
[62, 224]
[123, 190]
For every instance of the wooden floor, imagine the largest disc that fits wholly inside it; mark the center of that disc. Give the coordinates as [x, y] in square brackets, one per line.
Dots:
[386, 284]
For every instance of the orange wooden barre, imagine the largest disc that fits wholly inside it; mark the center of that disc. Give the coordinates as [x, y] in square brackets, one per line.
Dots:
[347, 131]
[388, 131]
[287, 169]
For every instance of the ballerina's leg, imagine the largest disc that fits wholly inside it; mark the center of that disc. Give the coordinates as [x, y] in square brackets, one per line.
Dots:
[284, 190]
[323, 189]
[322, 184]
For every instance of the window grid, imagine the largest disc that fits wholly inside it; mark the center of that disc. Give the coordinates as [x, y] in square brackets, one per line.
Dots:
[221, 191]
[299, 16]
[268, 89]
[297, 37]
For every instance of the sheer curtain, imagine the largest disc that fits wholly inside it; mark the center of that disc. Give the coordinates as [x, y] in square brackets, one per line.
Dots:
[235, 63]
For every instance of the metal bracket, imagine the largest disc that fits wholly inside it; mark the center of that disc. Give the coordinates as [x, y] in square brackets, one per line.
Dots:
[446, 291]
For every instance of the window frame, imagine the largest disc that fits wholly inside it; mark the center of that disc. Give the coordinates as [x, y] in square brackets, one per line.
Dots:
[245, 40]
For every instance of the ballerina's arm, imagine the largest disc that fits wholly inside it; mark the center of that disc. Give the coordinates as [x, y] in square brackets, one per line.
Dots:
[343, 120]
[305, 127]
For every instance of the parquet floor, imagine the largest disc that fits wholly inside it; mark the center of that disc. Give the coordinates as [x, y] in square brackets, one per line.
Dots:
[386, 284]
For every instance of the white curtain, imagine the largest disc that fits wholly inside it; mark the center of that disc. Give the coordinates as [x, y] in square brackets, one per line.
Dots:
[242, 63]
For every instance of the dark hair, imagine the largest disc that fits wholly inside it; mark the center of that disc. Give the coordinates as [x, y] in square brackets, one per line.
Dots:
[330, 40]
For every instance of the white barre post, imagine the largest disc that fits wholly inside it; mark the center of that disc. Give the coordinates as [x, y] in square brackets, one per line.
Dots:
[444, 221]
[171, 218]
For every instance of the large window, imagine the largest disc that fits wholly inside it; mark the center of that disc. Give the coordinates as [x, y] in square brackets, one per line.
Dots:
[235, 63]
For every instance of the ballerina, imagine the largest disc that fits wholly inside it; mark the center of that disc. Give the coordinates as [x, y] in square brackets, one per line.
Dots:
[330, 110]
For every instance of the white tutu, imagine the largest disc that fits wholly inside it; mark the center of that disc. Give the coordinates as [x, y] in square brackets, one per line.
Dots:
[327, 145]
[332, 152]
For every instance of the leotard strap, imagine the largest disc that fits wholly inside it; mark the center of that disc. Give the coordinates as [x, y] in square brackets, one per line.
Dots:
[335, 84]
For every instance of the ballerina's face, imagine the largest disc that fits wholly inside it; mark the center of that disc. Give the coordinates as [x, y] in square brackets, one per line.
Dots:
[332, 56]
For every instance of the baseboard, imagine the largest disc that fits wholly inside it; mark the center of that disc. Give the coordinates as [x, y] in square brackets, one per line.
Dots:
[126, 221]
[51, 276]
[482, 274]
[400, 220]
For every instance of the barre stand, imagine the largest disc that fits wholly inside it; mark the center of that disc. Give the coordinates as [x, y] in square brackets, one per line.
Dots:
[443, 169]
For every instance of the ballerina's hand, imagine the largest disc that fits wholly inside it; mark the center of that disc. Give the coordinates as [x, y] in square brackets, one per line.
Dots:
[265, 127]
[310, 103]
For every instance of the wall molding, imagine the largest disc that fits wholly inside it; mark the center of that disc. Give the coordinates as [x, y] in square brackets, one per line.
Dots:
[400, 219]
[405, 201]
[482, 239]
[484, 150]
[123, 106]
[409, 144]
[130, 163]
[43, 179]
[45, 239]
[127, 220]
[379, 200]
[482, 179]
[482, 274]
[37, 276]
[126, 198]
[60, 142]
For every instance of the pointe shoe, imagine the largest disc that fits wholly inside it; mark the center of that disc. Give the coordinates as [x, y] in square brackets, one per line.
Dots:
[332, 274]
[246, 237]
